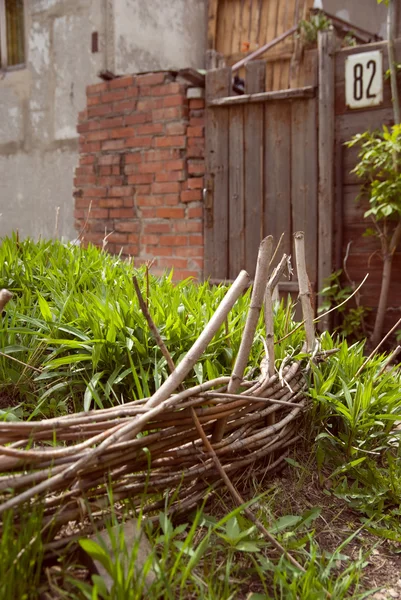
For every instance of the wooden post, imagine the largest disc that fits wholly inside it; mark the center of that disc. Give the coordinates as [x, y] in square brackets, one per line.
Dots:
[218, 84]
[255, 79]
[326, 49]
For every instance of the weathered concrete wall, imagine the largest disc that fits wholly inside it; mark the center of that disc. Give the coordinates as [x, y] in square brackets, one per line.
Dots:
[39, 103]
[156, 34]
[364, 13]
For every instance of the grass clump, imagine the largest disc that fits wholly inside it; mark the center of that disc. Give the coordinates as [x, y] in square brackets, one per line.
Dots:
[75, 326]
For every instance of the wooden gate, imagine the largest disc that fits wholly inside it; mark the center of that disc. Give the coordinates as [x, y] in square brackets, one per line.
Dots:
[262, 172]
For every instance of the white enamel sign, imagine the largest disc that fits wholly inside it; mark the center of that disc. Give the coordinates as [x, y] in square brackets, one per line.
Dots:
[364, 79]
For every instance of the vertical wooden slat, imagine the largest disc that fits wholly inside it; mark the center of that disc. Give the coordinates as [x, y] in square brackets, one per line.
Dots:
[253, 123]
[234, 7]
[218, 84]
[212, 15]
[277, 173]
[326, 48]
[236, 210]
[304, 178]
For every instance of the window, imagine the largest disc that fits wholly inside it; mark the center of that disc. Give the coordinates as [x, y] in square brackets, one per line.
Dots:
[12, 37]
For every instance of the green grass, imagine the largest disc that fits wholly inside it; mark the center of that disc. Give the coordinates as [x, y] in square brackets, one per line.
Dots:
[75, 319]
[82, 342]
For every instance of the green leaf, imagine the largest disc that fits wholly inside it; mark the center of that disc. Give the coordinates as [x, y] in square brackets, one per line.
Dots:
[97, 552]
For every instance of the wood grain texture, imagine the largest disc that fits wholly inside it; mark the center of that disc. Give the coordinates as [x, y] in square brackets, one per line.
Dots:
[277, 174]
[253, 123]
[326, 46]
[218, 82]
[304, 178]
[236, 216]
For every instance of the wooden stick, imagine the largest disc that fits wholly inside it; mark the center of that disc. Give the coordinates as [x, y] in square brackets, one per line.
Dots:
[178, 376]
[259, 286]
[304, 290]
[238, 499]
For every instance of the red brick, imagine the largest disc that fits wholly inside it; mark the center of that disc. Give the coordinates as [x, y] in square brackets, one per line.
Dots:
[99, 111]
[113, 145]
[109, 159]
[122, 132]
[131, 249]
[149, 129]
[111, 203]
[196, 167]
[196, 148]
[195, 213]
[124, 106]
[149, 104]
[111, 123]
[93, 101]
[86, 160]
[181, 274]
[176, 100]
[190, 251]
[96, 88]
[191, 195]
[127, 226]
[157, 227]
[131, 92]
[178, 128]
[166, 89]
[122, 213]
[149, 200]
[195, 132]
[150, 239]
[82, 116]
[115, 170]
[170, 176]
[166, 188]
[140, 178]
[82, 202]
[84, 180]
[95, 136]
[84, 170]
[148, 213]
[195, 183]
[121, 82]
[196, 240]
[143, 117]
[133, 158]
[186, 226]
[113, 96]
[170, 213]
[197, 122]
[95, 192]
[196, 103]
[159, 155]
[138, 142]
[169, 114]
[173, 240]
[121, 190]
[131, 169]
[118, 238]
[128, 201]
[170, 140]
[111, 180]
[170, 263]
[90, 147]
[99, 213]
[133, 238]
[156, 167]
[150, 78]
[79, 213]
[103, 171]
[160, 250]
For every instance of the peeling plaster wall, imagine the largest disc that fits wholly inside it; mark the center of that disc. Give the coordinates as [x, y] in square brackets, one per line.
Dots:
[39, 103]
[157, 34]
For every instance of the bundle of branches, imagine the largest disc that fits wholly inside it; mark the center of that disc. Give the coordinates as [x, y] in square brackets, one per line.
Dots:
[190, 439]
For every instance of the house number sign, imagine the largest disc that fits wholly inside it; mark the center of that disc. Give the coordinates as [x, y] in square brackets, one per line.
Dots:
[364, 79]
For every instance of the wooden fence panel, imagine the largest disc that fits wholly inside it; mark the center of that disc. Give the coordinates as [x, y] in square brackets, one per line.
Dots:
[236, 212]
[277, 174]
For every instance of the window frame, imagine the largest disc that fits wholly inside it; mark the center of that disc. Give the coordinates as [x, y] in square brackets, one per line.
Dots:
[4, 66]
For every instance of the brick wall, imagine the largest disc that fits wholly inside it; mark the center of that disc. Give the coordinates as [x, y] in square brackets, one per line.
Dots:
[138, 186]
